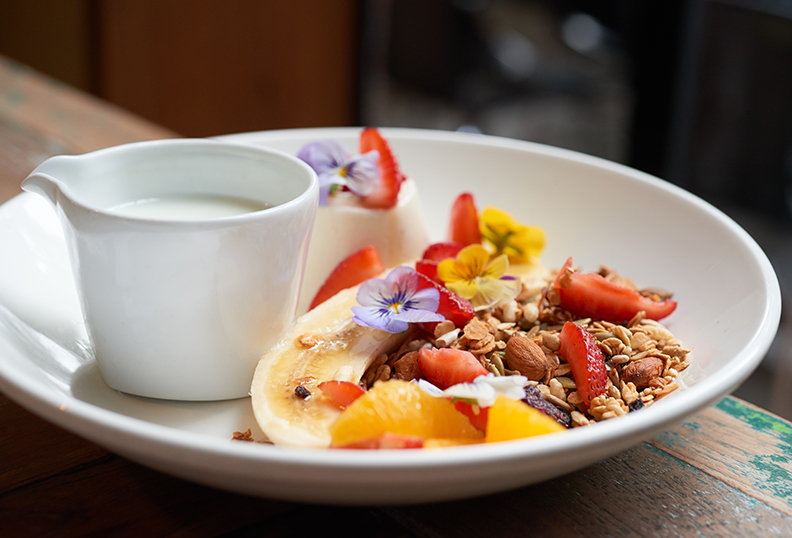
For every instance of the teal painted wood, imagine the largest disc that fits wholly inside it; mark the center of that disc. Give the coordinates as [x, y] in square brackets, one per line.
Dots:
[776, 468]
[744, 446]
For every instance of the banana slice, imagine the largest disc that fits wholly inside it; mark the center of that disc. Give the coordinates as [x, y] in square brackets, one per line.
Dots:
[321, 342]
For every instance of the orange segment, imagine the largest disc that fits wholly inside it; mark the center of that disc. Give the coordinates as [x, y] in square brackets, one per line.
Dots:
[403, 408]
[512, 419]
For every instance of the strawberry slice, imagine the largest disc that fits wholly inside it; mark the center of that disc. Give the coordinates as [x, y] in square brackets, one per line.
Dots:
[387, 193]
[446, 367]
[438, 252]
[586, 361]
[428, 269]
[387, 440]
[476, 415]
[354, 269]
[464, 225]
[452, 306]
[341, 393]
[589, 295]
[432, 257]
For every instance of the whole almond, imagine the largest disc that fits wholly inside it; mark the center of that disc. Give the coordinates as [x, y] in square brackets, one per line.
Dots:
[525, 356]
[643, 371]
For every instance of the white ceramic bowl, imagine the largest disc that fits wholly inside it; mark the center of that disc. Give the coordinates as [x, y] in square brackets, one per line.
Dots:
[596, 211]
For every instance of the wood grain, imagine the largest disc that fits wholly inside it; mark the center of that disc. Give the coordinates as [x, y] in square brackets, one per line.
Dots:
[758, 463]
[40, 118]
[642, 492]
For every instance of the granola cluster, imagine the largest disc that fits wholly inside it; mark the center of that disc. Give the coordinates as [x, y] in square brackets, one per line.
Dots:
[642, 357]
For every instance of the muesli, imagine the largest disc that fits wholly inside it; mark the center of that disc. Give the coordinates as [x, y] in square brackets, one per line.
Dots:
[477, 341]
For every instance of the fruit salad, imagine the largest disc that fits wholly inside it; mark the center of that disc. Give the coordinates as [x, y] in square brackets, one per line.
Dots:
[475, 342]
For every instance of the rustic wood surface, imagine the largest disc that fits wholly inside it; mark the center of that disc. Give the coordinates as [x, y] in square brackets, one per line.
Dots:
[724, 472]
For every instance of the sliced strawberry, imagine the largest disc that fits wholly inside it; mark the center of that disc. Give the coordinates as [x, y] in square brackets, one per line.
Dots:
[438, 252]
[452, 306]
[354, 269]
[341, 393]
[446, 367]
[585, 359]
[391, 178]
[477, 415]
[387, 440]
[428, 269]
[464, 226]
[589, 295]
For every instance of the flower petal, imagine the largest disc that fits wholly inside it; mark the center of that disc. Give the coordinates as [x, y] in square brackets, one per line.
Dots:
[323, 155]
[482, 393]
[490, 293]
[497, 267]
[427, 299]
[392, 303]
[362, 173]
[451, 270]
[381, 319]
[428, 388]
[474, 258]
[512, 386]
[467, 289]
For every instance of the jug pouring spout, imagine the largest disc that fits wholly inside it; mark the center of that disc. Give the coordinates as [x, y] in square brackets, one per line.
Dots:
[47, 178]
[43, 185]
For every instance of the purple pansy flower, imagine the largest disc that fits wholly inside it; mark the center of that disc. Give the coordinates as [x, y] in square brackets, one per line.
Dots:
[334, 166]
[391, 304]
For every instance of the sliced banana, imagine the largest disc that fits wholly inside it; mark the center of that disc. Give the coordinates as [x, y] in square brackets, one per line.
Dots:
[324, 344]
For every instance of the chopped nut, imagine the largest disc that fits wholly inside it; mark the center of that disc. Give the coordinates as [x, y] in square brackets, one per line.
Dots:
[511, 312]
[668, 389]
[628, 392]
[444, 327]
[637, 340]
[551, 341]
[243, 436]
[558, 402]
[482, 347]
[476, 330]
[642, 372]
[562, 370]
[620, 359]
[525, 356]
[556, 389]
[309, 340]
[407, 368]
[579, 419]
[530, 313]
[623, 334]
[447, 339]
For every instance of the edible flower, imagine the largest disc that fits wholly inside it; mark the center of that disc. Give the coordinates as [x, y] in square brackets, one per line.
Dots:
[335, 167]
[482, 391]
[521, 243]
[473, 276]
[392, 303]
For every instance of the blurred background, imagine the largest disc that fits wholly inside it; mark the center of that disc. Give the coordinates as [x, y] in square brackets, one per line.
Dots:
[697, 92]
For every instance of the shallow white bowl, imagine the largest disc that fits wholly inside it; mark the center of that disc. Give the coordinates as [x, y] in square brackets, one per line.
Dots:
[594, 210]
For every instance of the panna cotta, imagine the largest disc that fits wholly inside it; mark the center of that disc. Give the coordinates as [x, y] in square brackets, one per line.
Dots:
[344, 226]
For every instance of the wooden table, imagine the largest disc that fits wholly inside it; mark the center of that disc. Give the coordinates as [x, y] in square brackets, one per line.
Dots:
[726, 471]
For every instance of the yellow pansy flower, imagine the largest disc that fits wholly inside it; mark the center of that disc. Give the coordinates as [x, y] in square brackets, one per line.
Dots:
[473, 276]
[521, 243]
